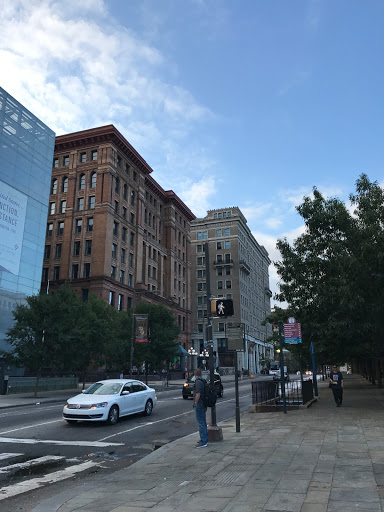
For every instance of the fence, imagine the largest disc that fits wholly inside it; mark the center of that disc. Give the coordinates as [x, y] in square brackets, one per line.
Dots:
[267, 396]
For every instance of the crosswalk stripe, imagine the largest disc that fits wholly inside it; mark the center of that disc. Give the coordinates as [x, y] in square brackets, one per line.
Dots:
[97, 444]
[35, 483]
[4, 456]
[32, 462]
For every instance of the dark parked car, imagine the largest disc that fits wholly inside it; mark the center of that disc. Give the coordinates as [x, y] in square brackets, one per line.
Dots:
[189, 385]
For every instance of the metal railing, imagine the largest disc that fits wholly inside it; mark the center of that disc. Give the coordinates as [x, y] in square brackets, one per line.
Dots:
[267, 393]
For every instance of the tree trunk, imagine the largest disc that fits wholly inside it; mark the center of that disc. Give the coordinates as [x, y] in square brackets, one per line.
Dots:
[36, 384]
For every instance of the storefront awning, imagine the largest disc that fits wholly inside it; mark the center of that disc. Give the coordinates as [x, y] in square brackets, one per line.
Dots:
[181, 351]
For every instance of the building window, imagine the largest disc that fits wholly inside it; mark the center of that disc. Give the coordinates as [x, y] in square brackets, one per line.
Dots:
[125, 192]
[124, 212]
[219, 285]
[113, 272]
[120, 304]
[124, 234]
[75, 271]
[122, 255]
[91, 202]
[219, 246]
[226, 232]
[130, 259]
[56, 273]
[54, 187]
[122, 276]
[118, 161]
[44, 276]
[52, 208]
[219, 258]
[94, 155]
[127, 169]
[86, 270]
[200, 260]
[199, 248]
[227, 258]
[49, 228]
[130, 280]
[201, 287]
[200, 327]
[47, 252]
[93, 180]
[78, 224]
[90, 224]
[205, 235]
[133, 198]
[227, 271]
[76, 248]
[66, 160]
[115, 228]
[227, 244]
[83, 157]
[201, 274]
[132, 239]
[221, 327]
[56, 162]
[63, 206]
[60, 228]
[88, 247]
[80, 204]
[134, 175]
[82, 182]
[117, 185]
[116, 207]
[219, 271]
[132, 218]
[153, 273]
[114, 251]
[112, 298]
[218, 232]
[64, 185]
[228, 284]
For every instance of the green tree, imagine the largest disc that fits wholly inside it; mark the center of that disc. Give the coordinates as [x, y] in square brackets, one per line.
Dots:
[163, 334]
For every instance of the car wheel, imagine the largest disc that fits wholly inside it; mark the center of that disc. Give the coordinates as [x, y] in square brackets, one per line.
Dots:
[148, 408]
[185, 397]
[113, 415]
[71, 422]
[221, 392]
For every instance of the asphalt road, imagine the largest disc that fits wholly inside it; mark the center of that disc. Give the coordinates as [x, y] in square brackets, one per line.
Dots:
[42, 455]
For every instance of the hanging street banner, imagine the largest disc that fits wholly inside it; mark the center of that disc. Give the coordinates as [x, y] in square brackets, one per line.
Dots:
[141, 328]
[292, 332]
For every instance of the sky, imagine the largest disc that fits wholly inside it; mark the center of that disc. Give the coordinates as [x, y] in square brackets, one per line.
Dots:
[249, 103]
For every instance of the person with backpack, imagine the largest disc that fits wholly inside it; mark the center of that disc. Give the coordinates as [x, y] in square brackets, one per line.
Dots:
[201, 409]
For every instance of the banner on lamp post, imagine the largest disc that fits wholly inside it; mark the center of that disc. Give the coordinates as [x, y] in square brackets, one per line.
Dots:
[141, 322]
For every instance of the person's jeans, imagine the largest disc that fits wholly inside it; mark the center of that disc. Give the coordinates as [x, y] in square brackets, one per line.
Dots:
[338, 395]
[201, 413]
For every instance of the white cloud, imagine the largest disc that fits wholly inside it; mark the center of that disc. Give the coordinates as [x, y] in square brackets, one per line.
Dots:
[196, 195]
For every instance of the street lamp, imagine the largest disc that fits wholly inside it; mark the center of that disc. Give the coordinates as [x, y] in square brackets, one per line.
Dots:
[204, 354]
[192, 352]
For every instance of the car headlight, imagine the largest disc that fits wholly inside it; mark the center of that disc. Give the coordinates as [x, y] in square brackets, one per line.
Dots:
[98, 406]
[186, 384]
[66, 405]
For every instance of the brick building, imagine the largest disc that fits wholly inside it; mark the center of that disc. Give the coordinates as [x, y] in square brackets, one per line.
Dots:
[112, 230]
[238, 270]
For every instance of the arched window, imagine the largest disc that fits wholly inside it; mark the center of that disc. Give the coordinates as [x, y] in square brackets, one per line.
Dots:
[64, 187]
[93, 180]
[82, 182]
[54, 187]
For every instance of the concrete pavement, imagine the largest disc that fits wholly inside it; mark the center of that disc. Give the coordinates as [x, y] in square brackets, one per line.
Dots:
[321, 459]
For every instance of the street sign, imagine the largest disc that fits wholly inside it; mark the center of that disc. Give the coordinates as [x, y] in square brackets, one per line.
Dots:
[292, 332]
[235, 338]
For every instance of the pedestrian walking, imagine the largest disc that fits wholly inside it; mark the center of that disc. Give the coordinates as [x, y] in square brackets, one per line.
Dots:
[201, 410]
[336, 383]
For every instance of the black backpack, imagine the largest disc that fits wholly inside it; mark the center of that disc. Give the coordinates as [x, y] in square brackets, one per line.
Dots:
[208, 395]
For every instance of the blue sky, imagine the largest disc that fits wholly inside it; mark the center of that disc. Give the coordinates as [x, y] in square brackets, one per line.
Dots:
[249, 103]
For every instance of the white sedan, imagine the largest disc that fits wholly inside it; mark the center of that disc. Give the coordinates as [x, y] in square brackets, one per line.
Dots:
[108, 400]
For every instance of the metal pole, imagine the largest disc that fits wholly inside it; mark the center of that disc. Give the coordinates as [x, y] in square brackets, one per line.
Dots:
[132, 332]
[282, 373]
[314, 369]
[237, 407]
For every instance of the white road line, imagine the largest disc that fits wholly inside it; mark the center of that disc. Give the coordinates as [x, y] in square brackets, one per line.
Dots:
[60, 443]
[35, 483]
[30, 426]
[15, 412]
[32, 462]
[4, 456]
[147, 424]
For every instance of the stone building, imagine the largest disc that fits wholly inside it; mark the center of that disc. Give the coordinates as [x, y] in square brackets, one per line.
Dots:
[238, 270]
[112, 230]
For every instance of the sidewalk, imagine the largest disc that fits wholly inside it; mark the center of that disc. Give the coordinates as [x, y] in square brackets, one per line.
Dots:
[321, 459]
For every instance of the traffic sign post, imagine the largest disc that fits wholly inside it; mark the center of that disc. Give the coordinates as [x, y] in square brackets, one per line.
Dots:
[282, 372]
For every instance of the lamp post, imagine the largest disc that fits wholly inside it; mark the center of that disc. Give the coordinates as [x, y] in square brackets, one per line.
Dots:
[204, 354]
[192, 352]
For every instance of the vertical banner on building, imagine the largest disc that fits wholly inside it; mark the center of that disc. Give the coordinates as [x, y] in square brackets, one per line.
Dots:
[13, 207]
[141, 328]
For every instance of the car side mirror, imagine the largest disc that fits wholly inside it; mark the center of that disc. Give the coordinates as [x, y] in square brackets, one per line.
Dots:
[124, 393]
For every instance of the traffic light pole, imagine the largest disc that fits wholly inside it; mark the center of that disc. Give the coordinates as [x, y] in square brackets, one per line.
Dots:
[215, 433]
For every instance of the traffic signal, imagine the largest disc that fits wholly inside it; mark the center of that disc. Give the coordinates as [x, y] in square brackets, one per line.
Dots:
[222, 307]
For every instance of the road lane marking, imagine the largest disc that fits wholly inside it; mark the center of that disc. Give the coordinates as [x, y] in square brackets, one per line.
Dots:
[60, 443]
[32, 462]
[35, 483]
[30, 426]
[8, 455]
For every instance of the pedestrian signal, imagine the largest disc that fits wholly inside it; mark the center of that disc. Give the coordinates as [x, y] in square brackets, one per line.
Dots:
[222, 307]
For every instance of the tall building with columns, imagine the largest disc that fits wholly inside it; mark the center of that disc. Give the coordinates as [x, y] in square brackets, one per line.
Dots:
[238, 270]
[112, 230]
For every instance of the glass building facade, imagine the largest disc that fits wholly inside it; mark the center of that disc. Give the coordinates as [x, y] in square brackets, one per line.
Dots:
[26, 154]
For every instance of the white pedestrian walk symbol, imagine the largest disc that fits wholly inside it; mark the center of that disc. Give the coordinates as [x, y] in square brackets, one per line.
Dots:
[220, 308]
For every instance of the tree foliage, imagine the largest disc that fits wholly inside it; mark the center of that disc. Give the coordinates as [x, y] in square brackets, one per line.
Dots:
[332, 276]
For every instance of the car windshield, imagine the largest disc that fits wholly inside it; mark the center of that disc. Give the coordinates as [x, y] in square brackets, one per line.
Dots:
[100, 388]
